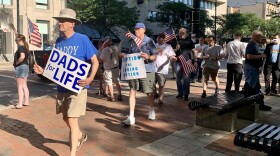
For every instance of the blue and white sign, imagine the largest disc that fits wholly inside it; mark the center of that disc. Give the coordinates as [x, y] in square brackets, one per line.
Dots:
[65, 70]
[133, 67]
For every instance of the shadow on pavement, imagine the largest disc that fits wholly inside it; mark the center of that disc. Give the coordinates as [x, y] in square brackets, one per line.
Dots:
[9, 93]
[29, 132]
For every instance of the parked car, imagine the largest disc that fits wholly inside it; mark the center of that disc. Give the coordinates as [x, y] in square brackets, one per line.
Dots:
[41, 58]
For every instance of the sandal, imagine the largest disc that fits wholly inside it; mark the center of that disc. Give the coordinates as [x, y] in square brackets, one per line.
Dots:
[111, 99]
[17, 107]
[81, 141]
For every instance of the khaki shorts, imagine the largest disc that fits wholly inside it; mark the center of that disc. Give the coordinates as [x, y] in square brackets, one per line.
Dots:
[160, 79]
[147, 84]
[111, 75]
[210, 72]
[71, 104]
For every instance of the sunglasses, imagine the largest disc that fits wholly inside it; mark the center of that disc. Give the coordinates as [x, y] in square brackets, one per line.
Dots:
[62, 20]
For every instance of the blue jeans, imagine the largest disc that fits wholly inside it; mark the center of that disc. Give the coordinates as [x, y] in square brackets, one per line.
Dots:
[183, 81]
[252, 82]
[22, 71]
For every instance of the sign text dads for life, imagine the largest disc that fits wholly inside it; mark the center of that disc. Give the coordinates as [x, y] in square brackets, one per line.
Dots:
[66, 70]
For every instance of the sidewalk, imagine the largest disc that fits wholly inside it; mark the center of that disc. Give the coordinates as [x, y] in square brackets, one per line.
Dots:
[6, 65]
[37, 130]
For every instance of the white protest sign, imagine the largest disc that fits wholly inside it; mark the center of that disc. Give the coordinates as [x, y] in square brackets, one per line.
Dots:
[65, 70]
[133, 67]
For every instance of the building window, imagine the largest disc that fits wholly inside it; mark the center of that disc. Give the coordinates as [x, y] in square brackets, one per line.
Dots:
[152, 14]
[44, 30]
[42, 4]
[207, 5]
[6, 2]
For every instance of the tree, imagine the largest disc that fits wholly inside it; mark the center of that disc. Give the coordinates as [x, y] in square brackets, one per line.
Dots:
[271, 26]
[204, 22]
[236, 22]
[171, 15]
[177, 15]
[112, 13]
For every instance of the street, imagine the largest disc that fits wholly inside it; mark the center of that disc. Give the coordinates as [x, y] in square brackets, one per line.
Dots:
[37, 87]
[37, 130]
[8, 92]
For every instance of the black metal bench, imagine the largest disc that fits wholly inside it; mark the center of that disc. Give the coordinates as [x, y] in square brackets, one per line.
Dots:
[260, 137]
[222, 111]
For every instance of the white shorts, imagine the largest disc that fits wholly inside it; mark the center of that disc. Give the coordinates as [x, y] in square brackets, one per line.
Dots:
[111, 75]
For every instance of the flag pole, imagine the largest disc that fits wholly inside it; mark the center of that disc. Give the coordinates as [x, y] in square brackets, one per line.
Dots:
[34, 58]
[135, 42]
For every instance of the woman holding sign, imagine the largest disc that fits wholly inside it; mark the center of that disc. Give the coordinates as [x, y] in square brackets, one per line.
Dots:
[21, 70]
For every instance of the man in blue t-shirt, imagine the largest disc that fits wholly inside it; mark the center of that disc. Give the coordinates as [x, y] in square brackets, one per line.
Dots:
[147, 48]
[70, 104]
[253, 62]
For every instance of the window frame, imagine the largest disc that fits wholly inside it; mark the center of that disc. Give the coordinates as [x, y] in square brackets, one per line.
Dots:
[38, 22]
[44, 6]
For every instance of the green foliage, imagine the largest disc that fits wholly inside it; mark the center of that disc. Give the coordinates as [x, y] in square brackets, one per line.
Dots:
[169, 15]
[236, 22]
[113, 13]
[172, 15]
[204, 22]
[272, 26]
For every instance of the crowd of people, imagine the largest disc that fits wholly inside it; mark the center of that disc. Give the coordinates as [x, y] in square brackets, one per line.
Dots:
[205, 56]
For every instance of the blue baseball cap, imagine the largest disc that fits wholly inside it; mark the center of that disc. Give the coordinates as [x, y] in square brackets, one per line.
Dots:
[140, 25]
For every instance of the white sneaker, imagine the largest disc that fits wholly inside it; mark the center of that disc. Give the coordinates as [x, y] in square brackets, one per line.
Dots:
[151, 114]
[129, 121]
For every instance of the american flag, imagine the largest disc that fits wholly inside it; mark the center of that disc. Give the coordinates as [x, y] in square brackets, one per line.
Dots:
[169, 35]
[34, 34]
[187, 65]
[136, 39]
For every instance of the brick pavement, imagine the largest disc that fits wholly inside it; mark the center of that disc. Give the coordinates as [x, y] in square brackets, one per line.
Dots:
[37, 130]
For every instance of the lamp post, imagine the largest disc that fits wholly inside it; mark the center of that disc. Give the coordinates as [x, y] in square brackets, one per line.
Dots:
[215, 20]
[18, 26]
[195, 18]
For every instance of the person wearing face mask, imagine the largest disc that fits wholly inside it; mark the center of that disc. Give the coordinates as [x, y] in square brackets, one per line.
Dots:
[272, 65]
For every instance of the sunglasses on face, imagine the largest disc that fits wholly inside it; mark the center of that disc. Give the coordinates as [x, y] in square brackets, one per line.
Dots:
[65, 20]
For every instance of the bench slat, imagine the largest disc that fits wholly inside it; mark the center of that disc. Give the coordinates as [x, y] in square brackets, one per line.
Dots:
[259, 129]
[273, 133]
[277, 137]
[249, 128]
[266, 131]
